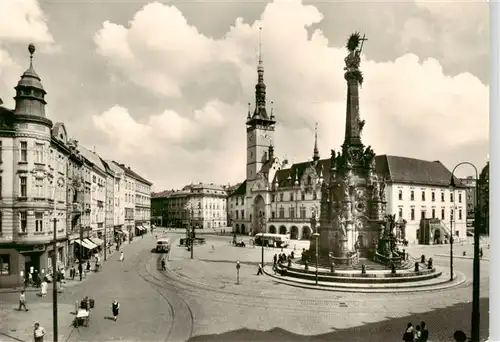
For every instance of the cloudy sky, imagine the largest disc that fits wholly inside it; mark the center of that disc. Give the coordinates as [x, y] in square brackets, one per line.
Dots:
[164, 86]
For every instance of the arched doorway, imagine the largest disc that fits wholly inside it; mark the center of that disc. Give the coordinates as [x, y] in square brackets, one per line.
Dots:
[243, 229]
[437, 236]
[259, 212]
[294, 233]
[272, 229]
[237, 228]
[282, 230]
[306, 233]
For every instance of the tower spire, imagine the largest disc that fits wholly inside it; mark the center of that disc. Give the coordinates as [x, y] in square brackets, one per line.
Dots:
[316, 150]
[260, 87]
[354, 78]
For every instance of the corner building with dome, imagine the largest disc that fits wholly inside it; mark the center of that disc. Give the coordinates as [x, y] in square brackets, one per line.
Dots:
[49, 181]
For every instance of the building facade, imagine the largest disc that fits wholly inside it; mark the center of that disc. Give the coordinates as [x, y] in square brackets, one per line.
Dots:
[203, 205]
[470, 192]
[75, 194]
[138, 194]
[281, 198]
[33, 183]
[97, 198]
[119, 196]
[110, 207]
[49, 183]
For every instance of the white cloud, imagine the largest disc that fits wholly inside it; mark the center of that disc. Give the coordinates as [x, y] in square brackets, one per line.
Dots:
[411, 108]
[23, 21]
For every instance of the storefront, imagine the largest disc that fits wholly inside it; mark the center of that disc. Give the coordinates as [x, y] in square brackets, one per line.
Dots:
[18, 260]
[140, 230]
[86, 247]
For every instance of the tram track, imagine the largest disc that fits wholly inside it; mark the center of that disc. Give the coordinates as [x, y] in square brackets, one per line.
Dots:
[181, 312]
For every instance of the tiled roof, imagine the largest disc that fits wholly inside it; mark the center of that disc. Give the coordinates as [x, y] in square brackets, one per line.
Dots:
[414, 171]
[131, 173]
[115, 168]
[286, 177]
[395, 169]
[162, 194]
[241, 190]
[210, 186]
[91, 157]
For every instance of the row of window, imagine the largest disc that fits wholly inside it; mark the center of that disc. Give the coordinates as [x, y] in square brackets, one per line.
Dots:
[423, 214]
[41, 221]
[433, 196]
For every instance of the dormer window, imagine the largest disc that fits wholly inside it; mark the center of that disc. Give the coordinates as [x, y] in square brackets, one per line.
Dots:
[309, 180]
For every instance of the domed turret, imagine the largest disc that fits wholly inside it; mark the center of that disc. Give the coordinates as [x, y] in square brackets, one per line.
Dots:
[30, 95]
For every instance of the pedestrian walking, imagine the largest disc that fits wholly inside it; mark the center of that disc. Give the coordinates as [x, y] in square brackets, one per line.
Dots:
[38, 332]
[259, 272]
[88, 265]
[163, 265]
[121, 256]
[409, 334]
[72, 272]
[424, 337]
[43, 288]
[115, 307]
[275, 259]
[80, 269]
[22, 301]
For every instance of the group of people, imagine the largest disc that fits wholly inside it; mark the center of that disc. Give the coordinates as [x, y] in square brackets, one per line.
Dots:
[421, 334]
[416, 334]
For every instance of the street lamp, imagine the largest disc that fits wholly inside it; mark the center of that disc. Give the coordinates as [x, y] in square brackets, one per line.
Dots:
[262, 221]
[452, 215]
[475, 318]
[316, 236]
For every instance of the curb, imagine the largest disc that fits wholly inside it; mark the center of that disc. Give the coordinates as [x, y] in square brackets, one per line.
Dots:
[461, 257]
[458, 280]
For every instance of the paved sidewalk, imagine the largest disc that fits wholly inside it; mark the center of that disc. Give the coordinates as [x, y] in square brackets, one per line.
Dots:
[18, 325]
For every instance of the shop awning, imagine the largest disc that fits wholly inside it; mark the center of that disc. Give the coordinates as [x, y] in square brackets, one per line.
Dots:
[83, 243]
[90, 244]
[97, 241]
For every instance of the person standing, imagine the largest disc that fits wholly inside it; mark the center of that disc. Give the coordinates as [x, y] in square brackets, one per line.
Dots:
[409, 334]
[122, 257]
[43, 288]
[424, 337]
[38, 332]
[115, 307]
[418, 334]
[22, 301]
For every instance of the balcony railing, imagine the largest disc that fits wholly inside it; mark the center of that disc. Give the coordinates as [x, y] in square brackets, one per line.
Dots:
[289, 219]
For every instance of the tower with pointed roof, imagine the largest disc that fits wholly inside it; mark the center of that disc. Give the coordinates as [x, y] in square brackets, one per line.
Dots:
[260, 126]
[353, 204]
[316, 150]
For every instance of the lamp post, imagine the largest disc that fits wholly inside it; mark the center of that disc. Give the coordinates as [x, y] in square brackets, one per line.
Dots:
[59, 183]
[262, 221]
[452, 214]
[316, 237]
[475, 316]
